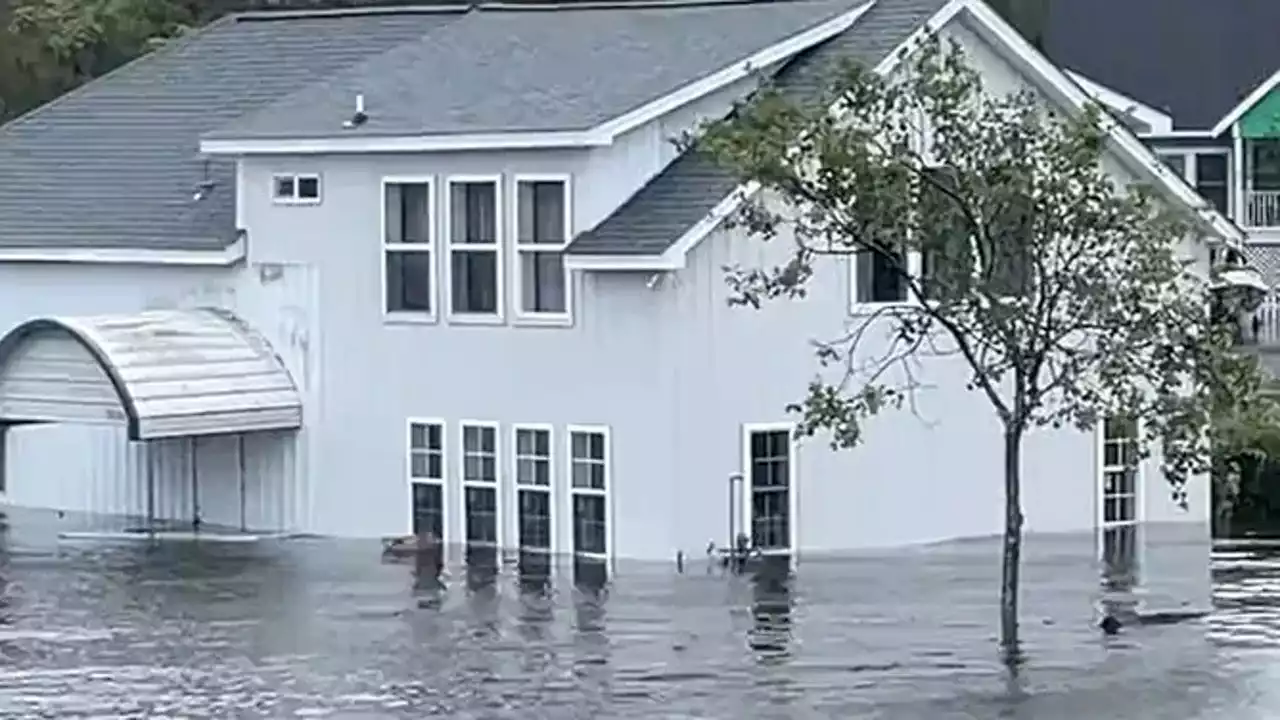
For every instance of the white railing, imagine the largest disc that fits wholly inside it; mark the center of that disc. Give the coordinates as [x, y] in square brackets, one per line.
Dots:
[1264, 330]
[1262, 208]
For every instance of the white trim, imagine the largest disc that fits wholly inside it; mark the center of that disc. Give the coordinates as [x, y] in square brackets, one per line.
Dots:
[295, 179]
[793, 489]
[621, 263]
[1239, 183]
[498, 316]
[405, 143]
[1178, 135]
[603, 134]
[496, 485]
[442, 482]
[1253, 98]
[607, 493]
[432, 249]
[242, 193]
[1073, 95]
[549, 489]
[230, 255]
[1159, 123]
[519, 250]
[735, 72]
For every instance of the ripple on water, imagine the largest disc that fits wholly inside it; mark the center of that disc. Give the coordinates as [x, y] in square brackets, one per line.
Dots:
[320, 629]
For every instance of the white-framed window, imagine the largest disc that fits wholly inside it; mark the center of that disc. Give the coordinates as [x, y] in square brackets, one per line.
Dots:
[408, 248]
[535, 507]
[590, 481]
[1206, 169]
[475, 260]
[1119, 494]
[292, 189]
[480, 483]
[769, 471]
[426, 466]
[542, 231]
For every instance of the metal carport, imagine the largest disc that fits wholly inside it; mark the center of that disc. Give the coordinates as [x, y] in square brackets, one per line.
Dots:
[163, 374]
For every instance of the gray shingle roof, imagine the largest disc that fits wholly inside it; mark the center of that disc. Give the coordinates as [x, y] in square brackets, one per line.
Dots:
[116, 163]
[512, 69]
[687, 190]
[1195, 59]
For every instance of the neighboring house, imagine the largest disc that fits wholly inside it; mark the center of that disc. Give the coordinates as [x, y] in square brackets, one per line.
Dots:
[467, 284]
[1200, 82]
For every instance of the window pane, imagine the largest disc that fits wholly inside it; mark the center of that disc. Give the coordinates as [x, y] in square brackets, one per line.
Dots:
[418, 464]
[541, 213]
[947, 259]
[434, 440]
[1211, 166]
[542, 282]
[472, 213]
[770, 524]
[408, 213]
[534, 520]
[581, 474]
[578, 444]
[1176, 163]
[482, 515]
[589, 524]
[428, 505]
[284, 187]
[478, 439]
[475, 281]
[596, 446]
[408, 281]
[597, 476]
[308, 188]
[435, 466]
[878, 279]
[418, 436]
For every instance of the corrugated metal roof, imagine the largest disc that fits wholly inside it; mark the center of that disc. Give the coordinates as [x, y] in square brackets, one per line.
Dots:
[176, 372]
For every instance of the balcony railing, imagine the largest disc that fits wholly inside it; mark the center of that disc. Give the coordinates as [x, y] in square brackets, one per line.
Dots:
[1262, 208]
[1263, 330]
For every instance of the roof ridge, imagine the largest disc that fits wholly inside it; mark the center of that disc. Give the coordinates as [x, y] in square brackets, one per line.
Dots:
[464, 6]
[294, 13]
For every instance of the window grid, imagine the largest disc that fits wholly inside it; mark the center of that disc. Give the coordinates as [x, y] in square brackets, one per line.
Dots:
[542, 219]
[426, 470]
[474, 236]
[770, 458]
[1119, 494]
[408, 246]
[534, 509]
[480, 482]
[296, 189]
[589, 490]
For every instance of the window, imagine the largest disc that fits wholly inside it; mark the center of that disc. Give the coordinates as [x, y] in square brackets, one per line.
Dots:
[533, 488]
[408, 247]
[542, 231]
[1119, 491]
[426, 476]
[1211, 179]
[878, 277]
[1176, 162]
[770, 471]
[589, 466]
[946, 252]
[480, 482]
[296, 189]
[474, 261]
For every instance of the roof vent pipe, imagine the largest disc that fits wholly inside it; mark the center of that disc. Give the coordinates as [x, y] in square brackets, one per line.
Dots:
[359, 117]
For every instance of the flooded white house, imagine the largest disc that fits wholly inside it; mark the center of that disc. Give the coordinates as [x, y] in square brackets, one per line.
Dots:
[372, 272]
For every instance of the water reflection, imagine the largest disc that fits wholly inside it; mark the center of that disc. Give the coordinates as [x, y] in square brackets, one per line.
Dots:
[770, 634]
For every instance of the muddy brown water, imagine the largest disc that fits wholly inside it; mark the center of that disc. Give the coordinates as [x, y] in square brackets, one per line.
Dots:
[312, 628]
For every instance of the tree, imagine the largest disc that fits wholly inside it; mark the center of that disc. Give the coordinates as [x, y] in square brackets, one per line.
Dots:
[1069, 299]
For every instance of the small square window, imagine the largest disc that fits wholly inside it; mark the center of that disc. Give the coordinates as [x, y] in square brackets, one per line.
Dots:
[286, 185]
[308, 188]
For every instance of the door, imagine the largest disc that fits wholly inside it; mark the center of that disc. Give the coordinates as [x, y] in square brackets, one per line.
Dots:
[770, 487]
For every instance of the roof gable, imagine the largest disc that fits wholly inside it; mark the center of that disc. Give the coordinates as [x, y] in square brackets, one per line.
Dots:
[1194, 59]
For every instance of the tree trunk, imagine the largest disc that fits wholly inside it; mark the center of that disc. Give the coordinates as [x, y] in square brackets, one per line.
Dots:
[1012, 557]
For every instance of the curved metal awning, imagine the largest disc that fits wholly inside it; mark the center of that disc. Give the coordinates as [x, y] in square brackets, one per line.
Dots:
[166, 373]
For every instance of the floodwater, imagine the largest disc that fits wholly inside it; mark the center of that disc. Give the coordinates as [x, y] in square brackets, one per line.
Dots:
[309, 628]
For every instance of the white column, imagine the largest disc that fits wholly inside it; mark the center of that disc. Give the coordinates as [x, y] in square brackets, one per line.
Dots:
[1239, 203]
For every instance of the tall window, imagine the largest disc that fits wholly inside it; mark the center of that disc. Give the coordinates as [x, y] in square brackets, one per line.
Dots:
[408, 247]
[426, 476]
[1119, 491]
[769, 475]
[542, 231]
[533, 488]
[589, 469]
[480, 482]
[1211, 179]
[474, 260]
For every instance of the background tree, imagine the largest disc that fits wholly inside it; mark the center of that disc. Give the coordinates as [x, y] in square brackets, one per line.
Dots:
[1069, 299]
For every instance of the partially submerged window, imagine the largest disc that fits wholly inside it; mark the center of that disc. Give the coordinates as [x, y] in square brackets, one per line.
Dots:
[769, 474]
[426, 476]
[1119, 498]
[533, 489]
[589, 466]
[480, 483]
